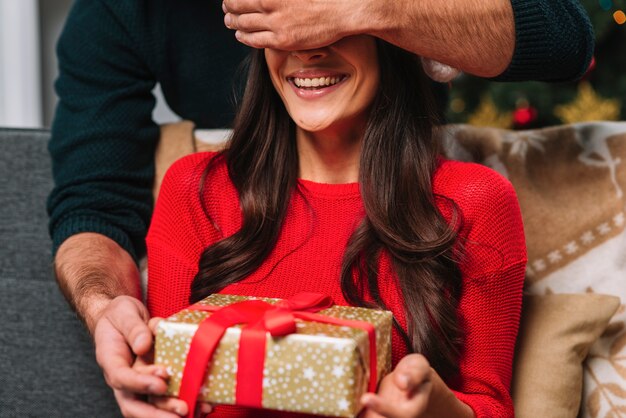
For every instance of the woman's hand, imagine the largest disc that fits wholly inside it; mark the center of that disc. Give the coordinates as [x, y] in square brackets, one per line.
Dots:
[403, 393]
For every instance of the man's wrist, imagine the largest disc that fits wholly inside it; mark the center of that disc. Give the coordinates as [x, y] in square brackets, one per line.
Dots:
[90, 309]
[92, 270]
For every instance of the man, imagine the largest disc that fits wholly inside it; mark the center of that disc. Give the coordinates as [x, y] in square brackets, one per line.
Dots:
[113, 52]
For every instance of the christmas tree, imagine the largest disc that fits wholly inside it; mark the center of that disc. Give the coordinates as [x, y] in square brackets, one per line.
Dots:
[599, 95]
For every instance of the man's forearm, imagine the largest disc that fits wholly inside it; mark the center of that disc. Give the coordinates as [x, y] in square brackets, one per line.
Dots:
[476, 36]
[91, 270]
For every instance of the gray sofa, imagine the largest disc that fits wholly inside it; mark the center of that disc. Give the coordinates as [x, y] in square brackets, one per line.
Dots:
[47, 364]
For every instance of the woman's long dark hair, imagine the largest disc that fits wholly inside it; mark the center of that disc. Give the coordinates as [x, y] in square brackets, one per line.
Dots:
[398, 158]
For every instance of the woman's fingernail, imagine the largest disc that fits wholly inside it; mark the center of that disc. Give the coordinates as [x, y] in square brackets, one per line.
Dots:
[227, 20]
[404, 381]
[206, 408]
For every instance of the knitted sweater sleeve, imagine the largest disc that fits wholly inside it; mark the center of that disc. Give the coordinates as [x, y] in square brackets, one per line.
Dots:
[103, 136]
[554, 41]
[493, 274]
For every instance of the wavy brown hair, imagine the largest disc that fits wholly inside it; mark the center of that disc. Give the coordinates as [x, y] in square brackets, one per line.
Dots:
[398, 158]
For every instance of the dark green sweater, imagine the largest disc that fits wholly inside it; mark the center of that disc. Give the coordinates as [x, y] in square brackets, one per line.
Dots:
[113, 52]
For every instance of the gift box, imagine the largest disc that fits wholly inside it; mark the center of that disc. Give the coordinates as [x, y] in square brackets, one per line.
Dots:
[302, 354]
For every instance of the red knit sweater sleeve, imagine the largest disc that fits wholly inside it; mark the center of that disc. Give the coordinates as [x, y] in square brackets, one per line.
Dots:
[493, 274]
[178, 233]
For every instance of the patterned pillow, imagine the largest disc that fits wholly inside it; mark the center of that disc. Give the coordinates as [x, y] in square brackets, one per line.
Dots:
[570, 181]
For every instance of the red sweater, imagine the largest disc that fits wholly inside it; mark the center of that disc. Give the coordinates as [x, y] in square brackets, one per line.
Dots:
[493, 270]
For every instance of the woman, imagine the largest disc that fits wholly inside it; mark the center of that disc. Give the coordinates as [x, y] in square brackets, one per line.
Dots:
[332, 182]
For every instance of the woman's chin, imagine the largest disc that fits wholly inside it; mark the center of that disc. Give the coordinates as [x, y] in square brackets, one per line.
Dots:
[313, 125]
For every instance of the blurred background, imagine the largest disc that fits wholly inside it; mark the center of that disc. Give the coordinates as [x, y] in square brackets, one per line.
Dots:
[29, 30]
[600, 95]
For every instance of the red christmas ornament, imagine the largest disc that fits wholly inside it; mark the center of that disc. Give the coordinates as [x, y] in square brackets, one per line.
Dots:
[524, 115]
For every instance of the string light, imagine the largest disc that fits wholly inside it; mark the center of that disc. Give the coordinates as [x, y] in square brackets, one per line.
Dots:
[620, 17]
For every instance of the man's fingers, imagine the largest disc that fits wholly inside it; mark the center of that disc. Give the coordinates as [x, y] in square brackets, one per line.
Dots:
[125, 378]
[153, 369]
[261, 39]
[243, 6]
[249, 22]
[133, 407]
[115, 359]
[173, 405]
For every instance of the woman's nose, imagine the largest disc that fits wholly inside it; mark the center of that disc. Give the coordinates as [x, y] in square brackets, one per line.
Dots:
[307, 55]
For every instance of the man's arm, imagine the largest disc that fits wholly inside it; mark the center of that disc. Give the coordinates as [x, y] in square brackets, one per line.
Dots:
[101, 281]
[102, 149]
[511, 39]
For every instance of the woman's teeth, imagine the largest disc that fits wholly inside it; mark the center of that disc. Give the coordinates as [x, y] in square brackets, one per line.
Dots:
[317, 82]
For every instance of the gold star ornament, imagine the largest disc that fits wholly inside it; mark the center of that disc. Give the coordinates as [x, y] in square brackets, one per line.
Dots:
[588, 106]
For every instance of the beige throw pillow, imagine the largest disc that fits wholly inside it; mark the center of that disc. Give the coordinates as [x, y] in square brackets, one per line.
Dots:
[555, 335]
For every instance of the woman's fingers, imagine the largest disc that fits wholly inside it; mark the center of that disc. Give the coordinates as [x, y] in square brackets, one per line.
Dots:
[403, 393]
[378, 405]
[153, 323]
[411, 372]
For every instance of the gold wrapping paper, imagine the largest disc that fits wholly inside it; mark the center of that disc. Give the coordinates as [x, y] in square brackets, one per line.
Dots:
[321, 369]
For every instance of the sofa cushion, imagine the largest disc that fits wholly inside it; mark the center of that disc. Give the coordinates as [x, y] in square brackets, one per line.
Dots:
[556, 332]
[47, 364]
[570, 182]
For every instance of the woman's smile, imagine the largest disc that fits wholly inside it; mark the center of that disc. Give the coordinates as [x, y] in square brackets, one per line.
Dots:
[327, 88]
[311, 84]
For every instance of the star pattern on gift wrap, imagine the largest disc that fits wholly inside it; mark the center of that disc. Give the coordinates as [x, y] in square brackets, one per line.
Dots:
[343, 404]
[338, 371]
[309, 373]
[307, 385]
[169, 332]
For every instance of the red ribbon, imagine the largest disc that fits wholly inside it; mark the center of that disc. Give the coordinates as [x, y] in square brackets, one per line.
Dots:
[258, 317]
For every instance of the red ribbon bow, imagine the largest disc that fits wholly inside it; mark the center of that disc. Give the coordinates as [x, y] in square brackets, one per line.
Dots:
[258, 317]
